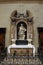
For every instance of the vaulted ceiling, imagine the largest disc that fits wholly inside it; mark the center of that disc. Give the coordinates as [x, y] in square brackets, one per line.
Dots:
[21, 1]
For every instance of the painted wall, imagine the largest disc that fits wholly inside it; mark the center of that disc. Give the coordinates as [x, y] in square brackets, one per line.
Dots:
[35, 8]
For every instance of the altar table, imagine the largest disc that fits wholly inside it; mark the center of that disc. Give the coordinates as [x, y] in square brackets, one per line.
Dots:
[14, 46]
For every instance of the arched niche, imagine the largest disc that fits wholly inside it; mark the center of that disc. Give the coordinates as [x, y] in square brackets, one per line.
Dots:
[26, 20]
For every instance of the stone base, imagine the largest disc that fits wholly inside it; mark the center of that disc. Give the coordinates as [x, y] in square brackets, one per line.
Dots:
[21, 42]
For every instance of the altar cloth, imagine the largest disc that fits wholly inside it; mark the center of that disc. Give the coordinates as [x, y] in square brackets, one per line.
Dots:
[21, 46]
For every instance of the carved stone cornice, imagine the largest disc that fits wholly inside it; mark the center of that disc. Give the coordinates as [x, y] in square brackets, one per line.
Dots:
[23, 1]
[15, 16]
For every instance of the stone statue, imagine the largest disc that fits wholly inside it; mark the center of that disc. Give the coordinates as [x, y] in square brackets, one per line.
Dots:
[21, 32]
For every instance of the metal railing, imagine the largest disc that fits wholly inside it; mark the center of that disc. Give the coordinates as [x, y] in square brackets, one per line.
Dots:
[22, 60]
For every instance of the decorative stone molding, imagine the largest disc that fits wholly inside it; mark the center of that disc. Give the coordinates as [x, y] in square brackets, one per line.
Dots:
[18, 19]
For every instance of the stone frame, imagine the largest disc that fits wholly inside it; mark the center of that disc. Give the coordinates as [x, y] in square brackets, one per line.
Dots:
[17, 18]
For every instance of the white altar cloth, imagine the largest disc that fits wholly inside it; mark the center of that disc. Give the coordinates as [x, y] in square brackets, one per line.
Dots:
[21, 46]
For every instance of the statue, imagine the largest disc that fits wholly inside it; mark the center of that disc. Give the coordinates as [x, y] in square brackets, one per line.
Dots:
[21, 32]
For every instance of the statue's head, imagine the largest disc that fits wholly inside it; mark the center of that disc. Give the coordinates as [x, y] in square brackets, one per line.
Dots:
[21, 24]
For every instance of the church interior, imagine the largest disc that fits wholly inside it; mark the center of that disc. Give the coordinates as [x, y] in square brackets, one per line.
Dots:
[21, 32]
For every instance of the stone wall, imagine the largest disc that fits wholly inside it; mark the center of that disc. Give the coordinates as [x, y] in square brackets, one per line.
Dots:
[35, 8]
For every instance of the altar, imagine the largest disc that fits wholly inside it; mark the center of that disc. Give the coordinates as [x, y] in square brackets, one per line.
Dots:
[15, 47]
[21, 34]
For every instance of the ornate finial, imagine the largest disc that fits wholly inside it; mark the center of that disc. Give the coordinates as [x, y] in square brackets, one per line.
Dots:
[29, 16]
[14, 13]
[13, 16]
